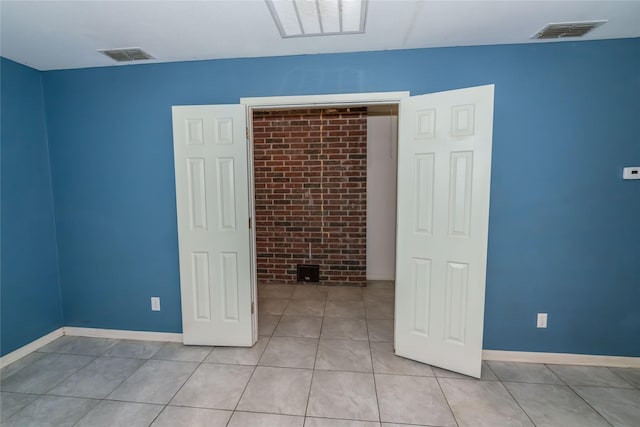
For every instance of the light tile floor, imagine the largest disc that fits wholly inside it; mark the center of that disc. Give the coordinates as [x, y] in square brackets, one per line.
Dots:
[324, 359]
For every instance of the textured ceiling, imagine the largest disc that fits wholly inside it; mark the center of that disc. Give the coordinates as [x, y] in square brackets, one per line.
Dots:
[49, 35]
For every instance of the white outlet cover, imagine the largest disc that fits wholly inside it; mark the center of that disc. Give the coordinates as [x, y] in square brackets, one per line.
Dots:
[632, 172]
[542, 320]
[155, 303]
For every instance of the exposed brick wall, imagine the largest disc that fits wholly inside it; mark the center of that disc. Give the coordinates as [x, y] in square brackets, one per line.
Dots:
[310, 192]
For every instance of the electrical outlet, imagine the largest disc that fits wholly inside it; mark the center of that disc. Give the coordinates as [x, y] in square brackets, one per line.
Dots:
[542, 320]
[631, 172]
[155, 303]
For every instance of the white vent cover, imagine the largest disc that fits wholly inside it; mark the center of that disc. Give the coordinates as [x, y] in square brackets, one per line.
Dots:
[309, 18]
[566, 29]
[126, 54]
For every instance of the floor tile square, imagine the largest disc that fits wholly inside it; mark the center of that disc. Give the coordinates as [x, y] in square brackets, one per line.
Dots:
[109, 414]
[179, 352]
[20, 364]
[135, 349]
[524, 372]
[288, 352]
[84, 346]
[483, 404]
[272, 305]
[412, 400]
[345, 395]
[98, 378]
[386, 362]
[277, 391]
[305, 307]
[380, 330]
[328, 422]
[345, 309]
[589, 375]
[310, 292]
[619, 406]
[379, 294]
[550, 405]
[45, 373]
[214, 386]
[276, 291]
[339, 293]
[632, 375]
[156, 381]
[177, 416]
[344, 328]
[51, 411]
[10, 403]
[344, 355]
[267, 324]
[299, 326]
[401, 425]
[55, 345]
[380, 284]
[238, 355]
[246, 419]
[485, 375]
[376, 309]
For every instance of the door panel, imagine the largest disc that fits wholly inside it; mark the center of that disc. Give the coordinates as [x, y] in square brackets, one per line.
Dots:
[444, 158]
[212, 196]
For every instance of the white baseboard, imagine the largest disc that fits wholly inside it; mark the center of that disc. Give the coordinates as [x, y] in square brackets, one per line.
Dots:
[122, 334]
[496, 355]
[9, 358]
[562, 358]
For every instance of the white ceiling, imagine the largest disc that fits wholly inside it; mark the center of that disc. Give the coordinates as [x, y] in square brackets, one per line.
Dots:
[51, 35]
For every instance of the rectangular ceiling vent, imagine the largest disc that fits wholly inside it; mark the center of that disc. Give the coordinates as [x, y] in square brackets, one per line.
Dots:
[310, 18]
[566, 29]
[127, 54]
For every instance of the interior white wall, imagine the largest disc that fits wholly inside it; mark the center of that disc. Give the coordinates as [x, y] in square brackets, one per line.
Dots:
[382, 143]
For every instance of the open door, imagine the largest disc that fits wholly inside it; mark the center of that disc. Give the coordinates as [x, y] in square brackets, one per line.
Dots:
[444, 173]
[212, 195]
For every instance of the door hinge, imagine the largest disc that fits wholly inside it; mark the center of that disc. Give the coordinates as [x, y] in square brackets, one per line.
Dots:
[247, 133]
[249, 223]
[252, 308]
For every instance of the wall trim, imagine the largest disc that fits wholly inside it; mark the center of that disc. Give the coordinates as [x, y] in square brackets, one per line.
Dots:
[495, 355]
[34, 345]
[325, 100]
[122, 334]
[561, 358]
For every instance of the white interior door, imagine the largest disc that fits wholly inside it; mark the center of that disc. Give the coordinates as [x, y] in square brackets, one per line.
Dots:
[212, 195]
[444, 173]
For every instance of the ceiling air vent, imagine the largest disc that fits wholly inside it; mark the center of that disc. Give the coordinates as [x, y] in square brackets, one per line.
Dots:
[566, 29]
[126, 54]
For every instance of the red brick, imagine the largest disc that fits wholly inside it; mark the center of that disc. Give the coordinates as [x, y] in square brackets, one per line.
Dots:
[308, 191]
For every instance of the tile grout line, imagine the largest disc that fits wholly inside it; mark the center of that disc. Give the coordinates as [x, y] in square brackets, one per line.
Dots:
[373, 374]
[315, 360]
[455, 419]
[235, 408]
[509, 391]
[589, 404]
[514, 399]
[95, 357]
[576, 393]
[179, 388]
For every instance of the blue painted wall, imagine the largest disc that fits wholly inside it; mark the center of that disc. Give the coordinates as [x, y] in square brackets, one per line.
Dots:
[564, 226]
[29, 288]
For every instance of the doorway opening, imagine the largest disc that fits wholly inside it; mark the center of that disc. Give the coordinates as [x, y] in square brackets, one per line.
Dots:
[442, 226]
[325, 196]
[315, 205]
